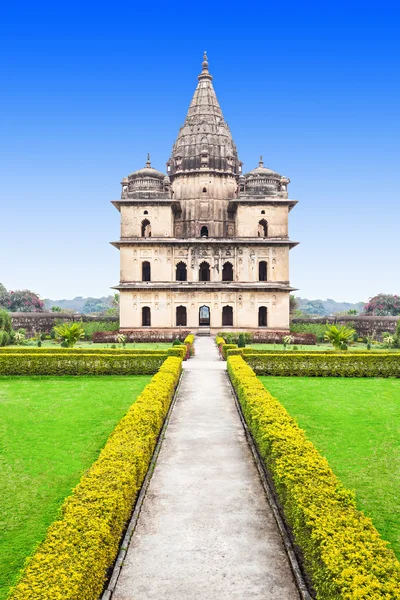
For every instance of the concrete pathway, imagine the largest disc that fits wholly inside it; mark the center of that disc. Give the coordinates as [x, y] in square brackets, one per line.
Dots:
[205, 531]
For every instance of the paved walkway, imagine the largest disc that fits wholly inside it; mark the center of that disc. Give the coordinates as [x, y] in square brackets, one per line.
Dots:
[205, 531]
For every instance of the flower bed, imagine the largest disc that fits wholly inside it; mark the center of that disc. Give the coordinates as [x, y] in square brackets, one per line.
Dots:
[82, 545]
[343, 553]
[325, 365]
[142, 335]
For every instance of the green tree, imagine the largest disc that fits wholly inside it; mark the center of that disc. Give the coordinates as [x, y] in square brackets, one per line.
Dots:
[383, 305]
[56, 309]
[340, 336]
[69, 334]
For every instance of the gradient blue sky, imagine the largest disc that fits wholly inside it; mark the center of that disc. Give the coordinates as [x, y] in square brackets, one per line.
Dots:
[86, 90]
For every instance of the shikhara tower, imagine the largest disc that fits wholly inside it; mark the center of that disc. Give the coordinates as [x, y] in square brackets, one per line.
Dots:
[204, 246]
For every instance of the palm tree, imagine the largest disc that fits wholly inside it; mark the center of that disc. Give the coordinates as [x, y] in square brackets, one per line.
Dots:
[69, 334]
[339, 336]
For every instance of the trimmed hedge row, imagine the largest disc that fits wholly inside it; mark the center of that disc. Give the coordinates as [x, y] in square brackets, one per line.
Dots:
[343, 552]
[325, 365]
[224, 349]
[59, 350]
[249, 350]
[79, 548]
[268, 337]
[83, 364]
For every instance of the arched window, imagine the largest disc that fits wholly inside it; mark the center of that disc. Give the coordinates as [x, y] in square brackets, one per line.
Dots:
[204, 316]
[262, 316]
[181, 318]
[146, 228]
[263, 228]
[204, 231]
[204, 271]
[227, 272]
[146, 212]
[204, 190]
[181, 272]
[262, 270]
[146, 271]
[146, 316]
[263, 212]
[227, 316]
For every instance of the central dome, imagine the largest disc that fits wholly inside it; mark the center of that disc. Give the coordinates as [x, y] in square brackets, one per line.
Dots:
[204, 142]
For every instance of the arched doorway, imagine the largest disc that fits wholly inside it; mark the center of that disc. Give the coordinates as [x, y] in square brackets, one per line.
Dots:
[227, 316]
[204, 271]
[263, 228]
[227, 272]
[146, 271]
[204, 316]
[181, 318]
[146, 316]
[146, 228]
[181, 271]
[262, 271]
[204, 232]
[262, 316]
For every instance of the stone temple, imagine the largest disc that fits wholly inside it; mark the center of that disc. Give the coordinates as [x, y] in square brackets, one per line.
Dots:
[204, 246]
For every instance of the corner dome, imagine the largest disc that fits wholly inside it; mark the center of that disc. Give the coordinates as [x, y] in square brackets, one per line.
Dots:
[262, 180]
[146, 180]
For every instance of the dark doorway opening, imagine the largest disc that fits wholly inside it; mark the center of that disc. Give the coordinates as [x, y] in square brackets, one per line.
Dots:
[204, 231]
[204, 316]
[204, 271]
[146, 316]
[263, 228]
[146, 228]
[227, 272]
[146, 271]
[262, 316]
[262, 271]
[181, 318]
[227, 316]
[181, 272]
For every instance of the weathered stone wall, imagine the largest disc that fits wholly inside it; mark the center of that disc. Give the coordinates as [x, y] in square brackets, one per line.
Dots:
[44, 322]
[365, 326]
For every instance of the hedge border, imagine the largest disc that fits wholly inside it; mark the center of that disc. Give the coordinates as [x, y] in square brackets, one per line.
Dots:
[59, 350]
[319, 364]
[79, 548]
[343, 553]
[81, 364]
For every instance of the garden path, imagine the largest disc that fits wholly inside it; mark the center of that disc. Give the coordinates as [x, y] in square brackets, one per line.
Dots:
[205, 530]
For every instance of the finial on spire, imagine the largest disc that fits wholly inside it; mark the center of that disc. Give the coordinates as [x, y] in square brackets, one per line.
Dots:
[204, 72]
[261, 164]
[148, 163]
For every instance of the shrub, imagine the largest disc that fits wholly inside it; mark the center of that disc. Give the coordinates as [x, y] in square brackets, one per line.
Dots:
[317, 329]
[177, 343]
[320, 364]
[232, 337]
[219, 340]
[242, 340]
[80, 547]
[4, 338]
[57, 350]
[69, 334]
[180, 351]
[339, 336]
[5, 321]
[343, 552]
[38, 363]
[277, 337]
[225, 348]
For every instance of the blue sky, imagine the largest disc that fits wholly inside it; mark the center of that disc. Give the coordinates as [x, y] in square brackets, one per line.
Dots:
[86, 90]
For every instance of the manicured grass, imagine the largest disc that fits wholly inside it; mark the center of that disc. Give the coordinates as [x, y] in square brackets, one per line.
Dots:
[355, 423]
[51, 430]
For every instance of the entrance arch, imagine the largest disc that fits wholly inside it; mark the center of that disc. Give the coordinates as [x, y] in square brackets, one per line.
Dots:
[204, 316]
[227, 316]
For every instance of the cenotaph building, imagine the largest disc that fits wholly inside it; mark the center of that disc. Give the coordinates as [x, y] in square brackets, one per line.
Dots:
[204, 246]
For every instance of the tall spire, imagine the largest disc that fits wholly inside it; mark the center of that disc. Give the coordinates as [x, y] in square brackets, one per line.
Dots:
[148, 163]
[204, 141]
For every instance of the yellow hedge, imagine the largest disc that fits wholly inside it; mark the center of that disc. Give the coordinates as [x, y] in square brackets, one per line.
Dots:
[79, 548]
[189, 339]
[219, 340]
[343, 552]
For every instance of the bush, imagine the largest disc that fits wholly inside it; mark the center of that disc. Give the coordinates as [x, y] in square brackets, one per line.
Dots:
[242, 340]
[320, 364]
[69, 334]
[343, 552]
[339, 336]
[277, 337]
[225, 348]
[177, 343]
[79, 351]
[81, 546]
[5, 321]
[232, 337]
[38, 363]
[219, 340]
[4, 338]
[180, 351]
[317, 329]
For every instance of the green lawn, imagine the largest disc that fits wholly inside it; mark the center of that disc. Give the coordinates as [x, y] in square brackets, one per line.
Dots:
[317, 347]
[355, 423]
[51, 431]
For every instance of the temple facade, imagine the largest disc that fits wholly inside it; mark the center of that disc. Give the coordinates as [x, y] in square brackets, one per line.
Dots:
[204, 246]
